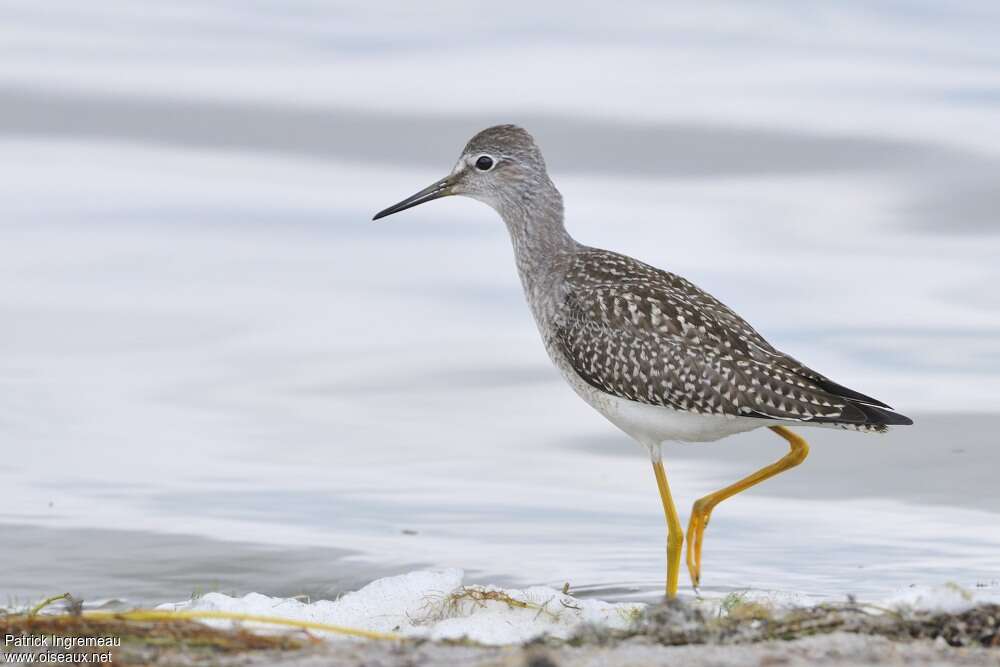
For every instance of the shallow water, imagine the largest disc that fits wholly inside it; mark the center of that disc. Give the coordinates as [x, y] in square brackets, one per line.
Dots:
[217, 373]
[853, 520]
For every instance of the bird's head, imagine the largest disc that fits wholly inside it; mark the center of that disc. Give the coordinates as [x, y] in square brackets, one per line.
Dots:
[500, 166]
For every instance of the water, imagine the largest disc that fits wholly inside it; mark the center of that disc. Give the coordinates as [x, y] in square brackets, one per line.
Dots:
[218, 374]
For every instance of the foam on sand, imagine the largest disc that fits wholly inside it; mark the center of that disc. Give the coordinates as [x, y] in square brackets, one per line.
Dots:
[437, 605]
[943, 599]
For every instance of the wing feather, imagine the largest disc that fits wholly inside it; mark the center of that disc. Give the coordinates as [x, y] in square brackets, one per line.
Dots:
[650, 336]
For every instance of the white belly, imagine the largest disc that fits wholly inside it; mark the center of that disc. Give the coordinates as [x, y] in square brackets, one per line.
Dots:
[652, 425]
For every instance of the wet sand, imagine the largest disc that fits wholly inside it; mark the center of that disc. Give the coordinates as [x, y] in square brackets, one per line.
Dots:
[669, 634]
[837, 650]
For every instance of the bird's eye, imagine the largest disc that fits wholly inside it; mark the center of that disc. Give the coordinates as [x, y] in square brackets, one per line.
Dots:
[484, 163]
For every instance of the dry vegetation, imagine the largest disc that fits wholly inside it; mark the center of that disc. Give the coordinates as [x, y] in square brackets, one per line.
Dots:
[158, 641]
[739, 622]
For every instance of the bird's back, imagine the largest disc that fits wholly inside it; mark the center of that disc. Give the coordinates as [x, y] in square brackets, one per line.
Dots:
[649, 336]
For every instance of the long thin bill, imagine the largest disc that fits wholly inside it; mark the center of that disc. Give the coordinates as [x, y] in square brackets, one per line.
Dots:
[440, 189]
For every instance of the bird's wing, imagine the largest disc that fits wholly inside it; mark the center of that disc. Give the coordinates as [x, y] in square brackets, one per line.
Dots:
[650, 336]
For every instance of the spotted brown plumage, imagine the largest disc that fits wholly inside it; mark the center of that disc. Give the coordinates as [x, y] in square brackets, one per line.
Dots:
[650, 336]
[659, 358]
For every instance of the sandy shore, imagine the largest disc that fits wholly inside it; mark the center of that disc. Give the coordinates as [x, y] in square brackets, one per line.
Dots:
[834, 650]
[675, 633]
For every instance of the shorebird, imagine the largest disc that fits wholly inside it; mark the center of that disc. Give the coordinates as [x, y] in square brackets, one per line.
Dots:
[661, 359]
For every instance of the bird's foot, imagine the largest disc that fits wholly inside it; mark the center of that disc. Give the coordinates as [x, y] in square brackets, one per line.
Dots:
[700, 514]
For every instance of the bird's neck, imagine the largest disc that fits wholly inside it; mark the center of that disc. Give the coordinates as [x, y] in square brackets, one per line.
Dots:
[542, 246]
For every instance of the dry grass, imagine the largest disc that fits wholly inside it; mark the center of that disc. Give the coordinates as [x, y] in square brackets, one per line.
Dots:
[151, 642]
[188, 642]
[746, 622]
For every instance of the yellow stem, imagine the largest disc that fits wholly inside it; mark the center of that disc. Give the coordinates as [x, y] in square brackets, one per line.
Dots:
[46, 602]
[144, 615]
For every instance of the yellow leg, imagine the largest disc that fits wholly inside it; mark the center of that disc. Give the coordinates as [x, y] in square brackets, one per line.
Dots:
[675, 532]
[703, 507]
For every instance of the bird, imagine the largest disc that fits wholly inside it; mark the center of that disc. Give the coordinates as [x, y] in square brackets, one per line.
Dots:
[661, 359]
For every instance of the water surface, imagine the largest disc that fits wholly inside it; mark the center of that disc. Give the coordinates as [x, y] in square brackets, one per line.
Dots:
[218, 373]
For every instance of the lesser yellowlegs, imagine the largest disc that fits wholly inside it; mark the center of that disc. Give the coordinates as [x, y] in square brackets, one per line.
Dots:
[660, 358]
